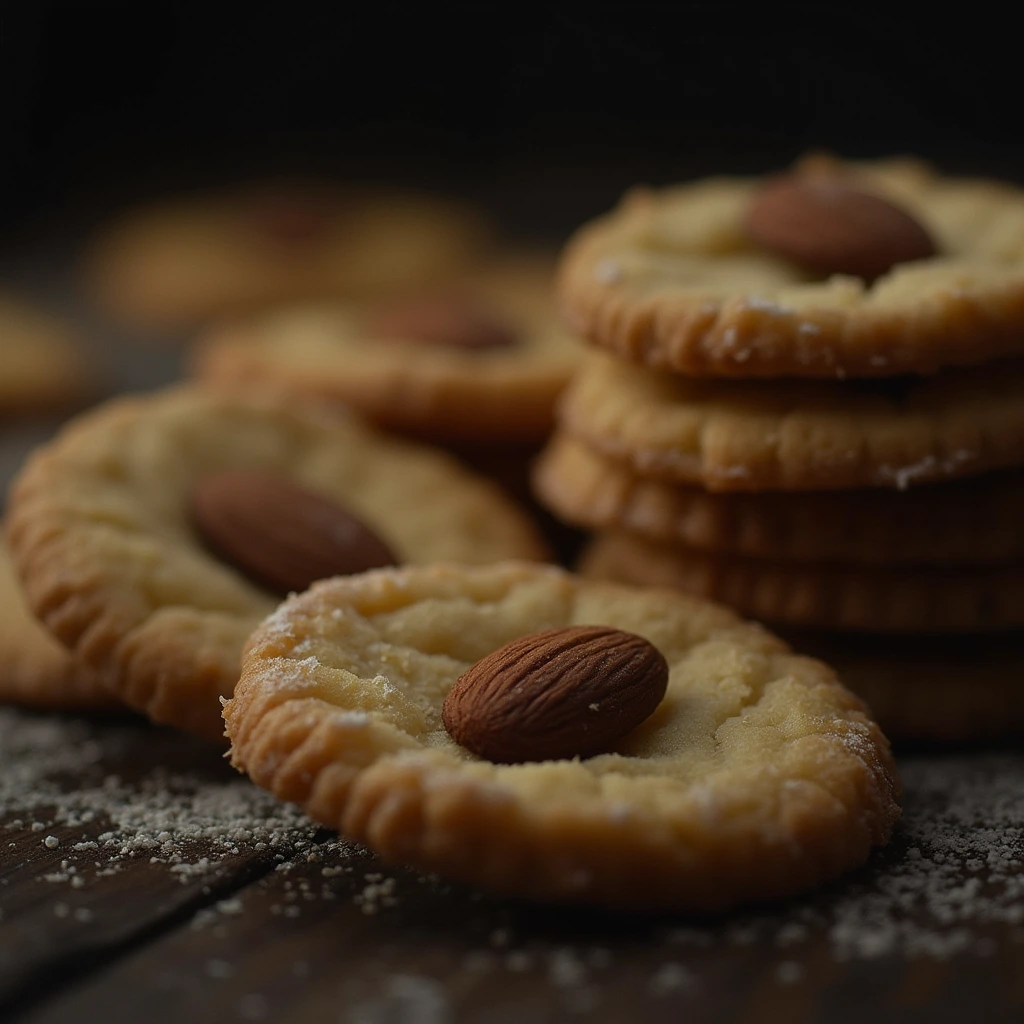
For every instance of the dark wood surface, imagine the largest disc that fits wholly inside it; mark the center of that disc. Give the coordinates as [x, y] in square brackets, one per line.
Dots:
[314, 929]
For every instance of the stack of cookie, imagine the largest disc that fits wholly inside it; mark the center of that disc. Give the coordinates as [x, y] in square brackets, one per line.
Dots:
[818, 419]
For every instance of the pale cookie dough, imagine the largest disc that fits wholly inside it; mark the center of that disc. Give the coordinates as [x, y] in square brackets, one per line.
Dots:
[500, 394]
[943, 689]
[972, 521]
[670, 279]
[903, 599]
[99, 530]
[35, 670]
[758, 776]
[43, 367]
[187, 260]
[798, 435]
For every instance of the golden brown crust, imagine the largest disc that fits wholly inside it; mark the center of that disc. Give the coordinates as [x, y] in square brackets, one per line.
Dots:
[184, 261]
[917, 599]
[100, 534]
[36, 671]
[43, 367]
[733, 435]
[449, 393]
[759, 775]
[669, 279]
[973, 521]
[944, 689]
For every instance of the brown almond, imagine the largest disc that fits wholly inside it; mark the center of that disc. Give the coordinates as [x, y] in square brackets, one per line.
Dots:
[445, 320]
[829, 227]
[560, 693]
[280, 535]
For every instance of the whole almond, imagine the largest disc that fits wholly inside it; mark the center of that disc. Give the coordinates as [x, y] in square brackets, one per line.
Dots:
[280, 535]
[561, 693]
[829, 227]
[445, 320]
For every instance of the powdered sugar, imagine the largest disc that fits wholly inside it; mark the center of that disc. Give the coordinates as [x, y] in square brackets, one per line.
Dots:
[928, 468]
[53, 774]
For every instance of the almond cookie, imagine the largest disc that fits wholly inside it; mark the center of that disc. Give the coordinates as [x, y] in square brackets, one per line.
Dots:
[971, 521]
[910, 599]
[37, 671]
[181, 262]
[797, 435]
[757, 776]
[154, 533]
[948, 689]
[863, 269]
[42, 363]
[480, 362]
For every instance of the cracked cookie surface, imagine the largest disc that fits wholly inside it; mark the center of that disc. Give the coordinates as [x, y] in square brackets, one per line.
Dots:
[671, 279]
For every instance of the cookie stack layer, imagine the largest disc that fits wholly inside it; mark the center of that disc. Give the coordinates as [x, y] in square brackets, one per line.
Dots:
[819, 420]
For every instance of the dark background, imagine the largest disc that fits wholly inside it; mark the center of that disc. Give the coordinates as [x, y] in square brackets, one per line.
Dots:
[543, 115]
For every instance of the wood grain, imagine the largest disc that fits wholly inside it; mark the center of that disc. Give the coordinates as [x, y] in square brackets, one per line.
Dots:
[328, 933]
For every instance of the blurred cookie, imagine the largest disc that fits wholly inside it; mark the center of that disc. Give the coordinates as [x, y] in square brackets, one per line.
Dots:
[38, 671]
[756, 776]
[797, 435]
[942, 688]
[917, 599]
[482, 361]
[839, 269]
[155, 532]
[43, 367]
[974, 520]
[185, 261]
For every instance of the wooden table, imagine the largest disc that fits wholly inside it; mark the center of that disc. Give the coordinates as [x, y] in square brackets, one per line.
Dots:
[307, 928]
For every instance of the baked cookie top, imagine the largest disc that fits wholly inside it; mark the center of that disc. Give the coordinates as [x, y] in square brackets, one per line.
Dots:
[102, 528]
[43, 366]
[974, 520]
[37, 671]
[183, 261]
[734, 276]
[478, 360]
[756, 776]
[799, 435]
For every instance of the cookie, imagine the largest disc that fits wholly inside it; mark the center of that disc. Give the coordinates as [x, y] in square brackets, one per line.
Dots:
[973, 521]
[797, 435]
[44, 367]
[940, 689]
[756, 777]
[689, 279]
[914, 599]
[113, 528]
[480, 362]
[185, 261]
[37, 671]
